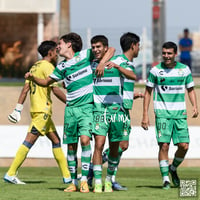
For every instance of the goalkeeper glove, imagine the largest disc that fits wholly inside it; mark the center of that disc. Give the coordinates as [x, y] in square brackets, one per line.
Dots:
[15, 116]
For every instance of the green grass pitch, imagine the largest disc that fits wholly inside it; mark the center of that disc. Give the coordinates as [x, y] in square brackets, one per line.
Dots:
[45, 183]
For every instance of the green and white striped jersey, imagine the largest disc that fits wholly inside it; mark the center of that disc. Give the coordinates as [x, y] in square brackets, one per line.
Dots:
[113, 87]
[77, 76]
[127, 84]
[169, 89]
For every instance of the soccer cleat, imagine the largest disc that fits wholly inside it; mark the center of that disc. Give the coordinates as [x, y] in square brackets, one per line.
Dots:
[84, 187]
[166, 185]
[67, 180]
[90, 177]
[116, 186]
[12, 179]
[175, 178]
[71, 188]
[108, 186]
[98, 188]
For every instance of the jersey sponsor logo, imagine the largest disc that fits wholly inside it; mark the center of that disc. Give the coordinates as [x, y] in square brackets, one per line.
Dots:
[99, 80]
[170, 88]
[71, 77]
[164, 88]
[161, 73]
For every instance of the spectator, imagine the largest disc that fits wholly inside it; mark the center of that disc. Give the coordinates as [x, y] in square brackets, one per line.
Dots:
[185, 47]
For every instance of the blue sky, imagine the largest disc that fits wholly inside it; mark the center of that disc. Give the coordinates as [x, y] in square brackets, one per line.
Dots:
[115, 17]
[133, 13]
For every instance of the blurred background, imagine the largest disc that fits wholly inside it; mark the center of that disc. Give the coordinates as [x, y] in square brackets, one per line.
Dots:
[25, 24]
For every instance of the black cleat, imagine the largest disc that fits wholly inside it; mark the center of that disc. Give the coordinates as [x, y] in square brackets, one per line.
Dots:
[175, 178]
[166, 185]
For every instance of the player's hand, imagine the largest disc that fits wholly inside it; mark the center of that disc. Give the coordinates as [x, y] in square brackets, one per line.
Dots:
[145, 123]
[15, 116]
[195, 113]
[28, 76]
[111, 65]
[100, 70]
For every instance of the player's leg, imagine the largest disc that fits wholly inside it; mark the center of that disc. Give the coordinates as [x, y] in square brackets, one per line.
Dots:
[112, 164]
[97, 162]
[164, 164]
[181, 139]
[72, 164]
[21, 155]
[123, 146]
[163, 134]
[59, 155]
[84, 115]
[70, 137]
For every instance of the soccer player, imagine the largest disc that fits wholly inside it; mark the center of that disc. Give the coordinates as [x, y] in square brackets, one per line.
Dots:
[169, 80]
[113, 96]
[76, 72]
[123, 146]
[41, 111]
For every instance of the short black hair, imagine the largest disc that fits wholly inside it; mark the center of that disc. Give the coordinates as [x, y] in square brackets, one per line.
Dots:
[100, 38]
[45, 46]
[186, 30]
[170, 45]
[127, 39]
[75, 40]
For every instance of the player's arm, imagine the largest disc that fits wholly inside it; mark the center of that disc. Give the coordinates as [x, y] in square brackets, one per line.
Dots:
[59, 94]
[41, 82]
[101, 66]
[147, 98]
[129, 74]
[15, 116]
[193, 100]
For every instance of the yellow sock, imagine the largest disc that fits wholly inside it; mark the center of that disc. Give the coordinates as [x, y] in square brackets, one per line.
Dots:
[18, 160]
[61, 160]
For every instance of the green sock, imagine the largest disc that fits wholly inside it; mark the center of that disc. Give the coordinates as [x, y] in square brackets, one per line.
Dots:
[85, 161]
[176, 162]
[164, 169]
[107, 151]
[112, 165]
[72, 163]
[97, 169]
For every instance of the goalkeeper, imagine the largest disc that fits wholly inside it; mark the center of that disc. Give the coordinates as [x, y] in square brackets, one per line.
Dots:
[41, 111]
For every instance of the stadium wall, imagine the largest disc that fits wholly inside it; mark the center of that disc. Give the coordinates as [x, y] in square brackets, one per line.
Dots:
[143, 148]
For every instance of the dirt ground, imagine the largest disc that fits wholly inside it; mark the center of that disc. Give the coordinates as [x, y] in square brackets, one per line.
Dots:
[9, 97]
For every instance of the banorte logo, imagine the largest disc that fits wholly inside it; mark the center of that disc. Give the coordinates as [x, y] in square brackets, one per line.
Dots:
[164, 87]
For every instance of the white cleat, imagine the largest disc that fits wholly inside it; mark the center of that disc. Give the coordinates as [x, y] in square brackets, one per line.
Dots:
[67, 180]
[12, 179]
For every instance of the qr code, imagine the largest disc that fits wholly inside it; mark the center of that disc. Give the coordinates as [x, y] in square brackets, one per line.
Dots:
[188, 188]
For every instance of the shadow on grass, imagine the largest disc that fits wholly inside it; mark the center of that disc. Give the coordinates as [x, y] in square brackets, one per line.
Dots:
[35, 182]
[152, 186]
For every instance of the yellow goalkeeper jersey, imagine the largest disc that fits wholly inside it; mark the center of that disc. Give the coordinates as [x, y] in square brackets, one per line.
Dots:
[40, 97]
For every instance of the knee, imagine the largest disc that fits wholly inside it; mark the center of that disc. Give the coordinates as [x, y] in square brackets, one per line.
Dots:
[124, 145]
[164, 147]
[183, 146]
[85, 141]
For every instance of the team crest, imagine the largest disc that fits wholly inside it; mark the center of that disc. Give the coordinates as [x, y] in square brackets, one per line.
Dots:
[97, 126]
[180, 72]
[125, 133]
[78, 58]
